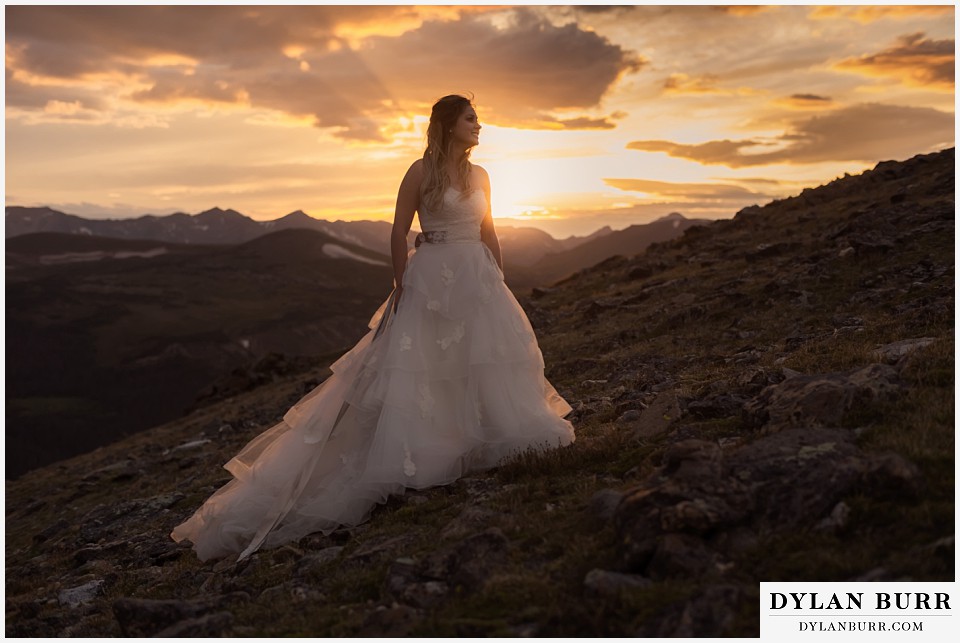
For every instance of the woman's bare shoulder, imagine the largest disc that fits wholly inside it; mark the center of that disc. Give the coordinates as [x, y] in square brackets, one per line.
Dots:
[414, 175]
[416, 167]
[481, 173]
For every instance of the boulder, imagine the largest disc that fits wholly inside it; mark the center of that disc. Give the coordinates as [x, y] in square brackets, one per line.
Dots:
[604, 503]
[658, 416]
[819, 400]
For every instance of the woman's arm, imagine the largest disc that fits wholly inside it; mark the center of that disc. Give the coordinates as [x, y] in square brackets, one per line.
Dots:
[488, 234]
[408, 200]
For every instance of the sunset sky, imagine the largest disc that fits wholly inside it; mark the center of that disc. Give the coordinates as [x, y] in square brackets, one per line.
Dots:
[591, 116]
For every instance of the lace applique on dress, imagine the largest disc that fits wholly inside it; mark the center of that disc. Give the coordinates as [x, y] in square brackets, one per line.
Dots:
[455, 337]
[405, 342]
[447, 275]
[409, 468]
[425, 401]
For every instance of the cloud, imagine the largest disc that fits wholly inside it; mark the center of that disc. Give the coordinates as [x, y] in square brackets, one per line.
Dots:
[742, 10]
[716, 193]
[868, 14]
[805, 101]
[915, 60]
[519, 70]
[867, 132]
[332, 65]
[23, 95]
[684, 84]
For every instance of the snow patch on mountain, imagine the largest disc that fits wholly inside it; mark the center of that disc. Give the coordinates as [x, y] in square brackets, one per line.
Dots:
[339, 252]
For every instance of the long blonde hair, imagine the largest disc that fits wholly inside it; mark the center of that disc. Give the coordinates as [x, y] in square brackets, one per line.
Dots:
[443, 117]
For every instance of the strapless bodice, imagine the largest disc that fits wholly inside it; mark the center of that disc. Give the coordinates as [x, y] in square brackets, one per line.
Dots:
[458, 218]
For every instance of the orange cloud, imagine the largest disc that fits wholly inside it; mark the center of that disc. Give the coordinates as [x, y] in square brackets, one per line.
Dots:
[684, 84]
[868, 132]
[701, 192]
[702, 84]
[866, 15]
[914, 60]
[743, 10]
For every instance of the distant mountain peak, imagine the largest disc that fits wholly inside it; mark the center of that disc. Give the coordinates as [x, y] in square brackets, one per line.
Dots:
[296, 214]
[673, 216]
[219, 212]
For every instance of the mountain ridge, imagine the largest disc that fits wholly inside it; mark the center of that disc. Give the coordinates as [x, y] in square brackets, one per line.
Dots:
[532, 257]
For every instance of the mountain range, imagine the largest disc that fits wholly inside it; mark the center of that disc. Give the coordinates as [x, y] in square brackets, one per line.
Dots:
[531, 256]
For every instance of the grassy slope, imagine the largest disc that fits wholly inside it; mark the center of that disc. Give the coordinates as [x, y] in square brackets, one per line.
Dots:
[703, 303]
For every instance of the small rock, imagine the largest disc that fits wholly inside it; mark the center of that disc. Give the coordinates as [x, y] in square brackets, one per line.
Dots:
[76, 596]
[891, 353]
[603, 504]
[95, 552]
[628, 416]
[717, 405]
[600, 582]
[837, 518]
[658, 416]
[193, 444]
[315, 562]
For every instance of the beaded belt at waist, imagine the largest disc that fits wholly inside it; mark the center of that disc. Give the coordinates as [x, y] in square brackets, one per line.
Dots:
[443, 236]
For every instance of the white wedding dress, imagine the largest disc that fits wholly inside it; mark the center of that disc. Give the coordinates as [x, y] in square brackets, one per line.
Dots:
[451, 383]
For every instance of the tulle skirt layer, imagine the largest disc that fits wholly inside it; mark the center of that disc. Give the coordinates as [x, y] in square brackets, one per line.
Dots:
[451, 383]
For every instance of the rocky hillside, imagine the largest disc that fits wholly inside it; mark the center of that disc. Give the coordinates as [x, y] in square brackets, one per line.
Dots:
[765, 398]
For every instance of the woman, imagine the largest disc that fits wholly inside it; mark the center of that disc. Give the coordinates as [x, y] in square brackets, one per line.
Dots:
[449, 379]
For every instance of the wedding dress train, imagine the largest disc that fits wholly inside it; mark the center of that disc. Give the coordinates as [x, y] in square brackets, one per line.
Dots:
[451, 383]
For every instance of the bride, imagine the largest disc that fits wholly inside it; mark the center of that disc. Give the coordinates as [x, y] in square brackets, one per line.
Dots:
[449, 379]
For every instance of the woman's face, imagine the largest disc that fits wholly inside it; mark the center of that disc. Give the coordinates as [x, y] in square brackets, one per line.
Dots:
[466, 131]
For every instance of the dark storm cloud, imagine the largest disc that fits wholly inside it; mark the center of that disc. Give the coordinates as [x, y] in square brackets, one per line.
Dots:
[869, 132]
[291, 59]
[914, 59]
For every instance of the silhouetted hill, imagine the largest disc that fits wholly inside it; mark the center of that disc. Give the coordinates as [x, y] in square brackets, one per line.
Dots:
[103, 347]
[633, 240]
